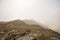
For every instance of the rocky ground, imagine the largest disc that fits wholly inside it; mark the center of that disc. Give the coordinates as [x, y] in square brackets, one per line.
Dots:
[18, 30]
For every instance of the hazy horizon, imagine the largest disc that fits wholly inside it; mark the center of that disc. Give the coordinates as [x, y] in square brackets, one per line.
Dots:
[46, 12]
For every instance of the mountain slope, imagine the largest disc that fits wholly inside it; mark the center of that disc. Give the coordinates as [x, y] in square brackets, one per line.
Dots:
[31, 22]
[19, 30]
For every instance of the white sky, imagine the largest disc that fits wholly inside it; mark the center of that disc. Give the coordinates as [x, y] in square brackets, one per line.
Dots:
[46, 12]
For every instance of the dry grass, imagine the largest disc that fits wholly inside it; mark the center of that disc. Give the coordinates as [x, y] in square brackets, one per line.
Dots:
[12, 29]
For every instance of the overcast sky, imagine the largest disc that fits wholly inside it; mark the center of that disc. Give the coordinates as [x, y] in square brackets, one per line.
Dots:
[46, 12]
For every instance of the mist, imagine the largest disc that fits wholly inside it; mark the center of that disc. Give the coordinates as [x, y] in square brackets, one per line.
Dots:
[46, 12]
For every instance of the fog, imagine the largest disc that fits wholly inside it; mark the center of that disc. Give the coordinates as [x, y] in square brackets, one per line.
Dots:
[46, 12]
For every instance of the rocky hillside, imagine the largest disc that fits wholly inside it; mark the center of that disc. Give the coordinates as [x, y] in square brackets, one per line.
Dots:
[19, 30]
